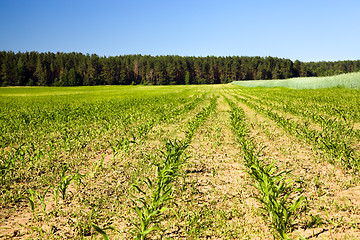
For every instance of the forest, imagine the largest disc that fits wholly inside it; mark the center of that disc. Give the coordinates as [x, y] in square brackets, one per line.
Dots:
[78, 69]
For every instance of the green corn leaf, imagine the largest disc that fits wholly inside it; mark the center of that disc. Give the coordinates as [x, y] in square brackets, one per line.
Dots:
[150, 230]
[101, 231]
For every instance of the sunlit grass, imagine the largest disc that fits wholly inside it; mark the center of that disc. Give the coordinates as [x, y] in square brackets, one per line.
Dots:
[349, 80]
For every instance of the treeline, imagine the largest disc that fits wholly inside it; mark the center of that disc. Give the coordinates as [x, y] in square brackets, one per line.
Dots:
[75, 69]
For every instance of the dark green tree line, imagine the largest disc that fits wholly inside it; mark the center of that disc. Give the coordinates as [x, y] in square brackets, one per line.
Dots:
[76, 69]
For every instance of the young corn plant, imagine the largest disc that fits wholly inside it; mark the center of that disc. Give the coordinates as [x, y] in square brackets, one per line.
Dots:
[151, 208]
[41, 198]
[7, 167]
[64, 183]
[31, 199]
[101, 231]
[97, 166]
[121, 145]
[275, 190]
[199, 118]
[56, 194]
[151, 203]
[33, 195]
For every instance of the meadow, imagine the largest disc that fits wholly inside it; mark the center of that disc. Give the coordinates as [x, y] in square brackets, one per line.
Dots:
[348, 80]
[179, 162]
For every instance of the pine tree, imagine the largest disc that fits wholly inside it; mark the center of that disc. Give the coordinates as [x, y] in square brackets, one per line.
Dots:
[20, 72]
[187, 78]
[40, 73]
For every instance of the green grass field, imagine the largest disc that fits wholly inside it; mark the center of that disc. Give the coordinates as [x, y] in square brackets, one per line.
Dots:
[179, 162]
[349, 80]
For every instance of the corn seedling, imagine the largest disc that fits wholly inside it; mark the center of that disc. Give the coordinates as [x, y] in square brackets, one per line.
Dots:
[275, 190]
[64, 183]
[97, 166]
[151, 204]
[83, 223]
[103, 233]
[275, 193]
[31, 200]
[56, 193]
[41, 198]
[6, 167]
[199, 118]
[121, 145]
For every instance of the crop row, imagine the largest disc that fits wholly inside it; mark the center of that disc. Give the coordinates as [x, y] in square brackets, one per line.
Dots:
[330, 141]
[306, 110]
[276, 192]
[41, 135]
[152, 197]
[339, 103]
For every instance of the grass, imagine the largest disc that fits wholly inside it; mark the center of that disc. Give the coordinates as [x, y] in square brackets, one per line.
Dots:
[348, 80]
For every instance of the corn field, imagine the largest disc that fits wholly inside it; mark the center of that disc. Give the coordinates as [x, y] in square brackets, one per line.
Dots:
[179, 162]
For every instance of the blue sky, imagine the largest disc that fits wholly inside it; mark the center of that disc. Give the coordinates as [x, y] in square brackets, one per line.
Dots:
[308, 30]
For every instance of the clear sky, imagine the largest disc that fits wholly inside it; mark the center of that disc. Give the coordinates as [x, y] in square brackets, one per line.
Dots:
[307, 30]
